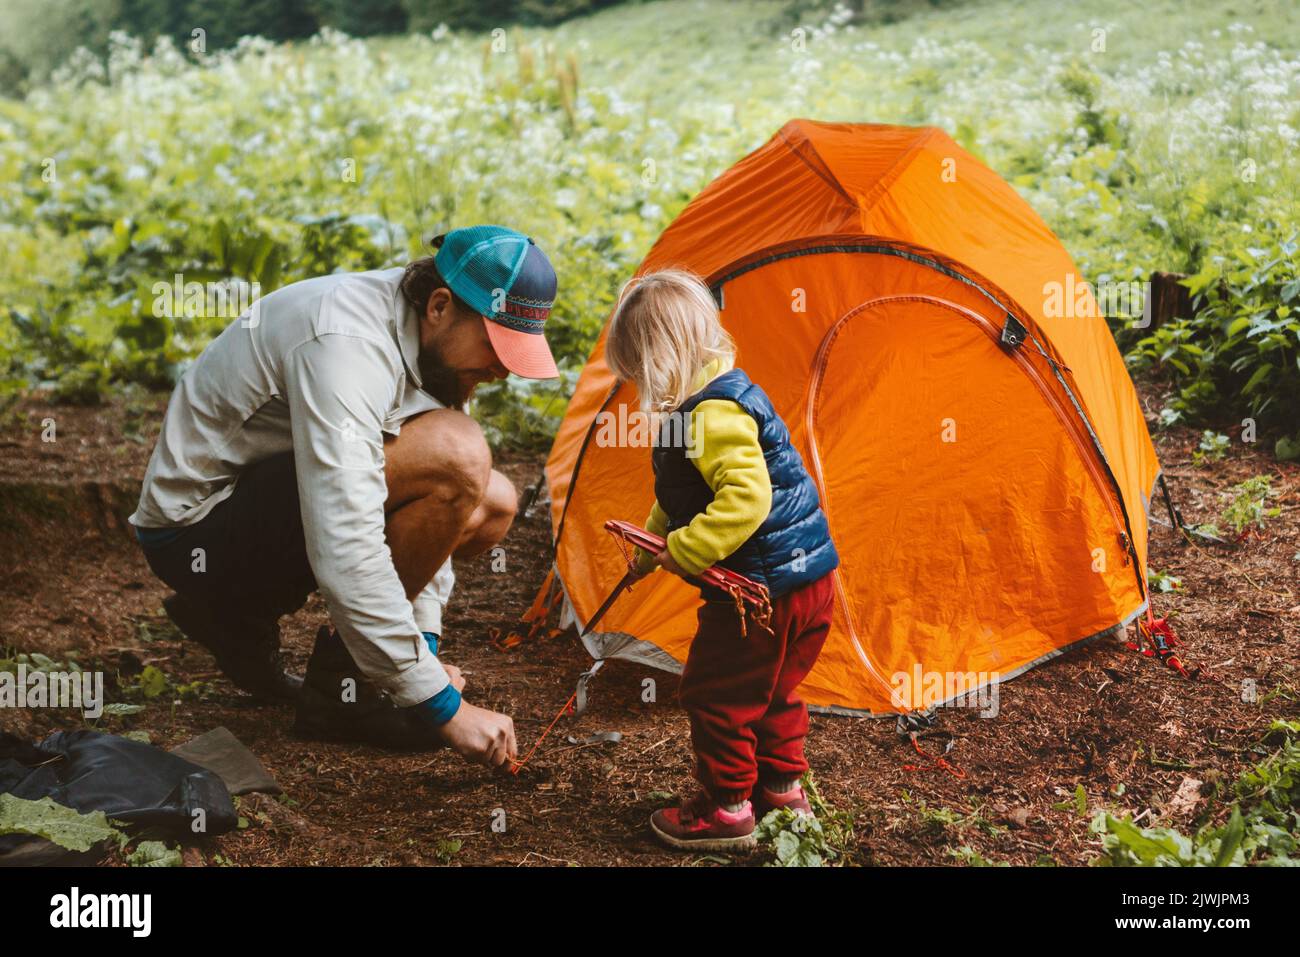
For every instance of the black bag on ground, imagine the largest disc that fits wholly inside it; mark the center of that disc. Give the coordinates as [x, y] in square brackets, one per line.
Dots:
[129, 781]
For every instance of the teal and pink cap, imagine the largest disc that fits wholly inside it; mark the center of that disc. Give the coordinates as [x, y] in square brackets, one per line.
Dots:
[502, 275]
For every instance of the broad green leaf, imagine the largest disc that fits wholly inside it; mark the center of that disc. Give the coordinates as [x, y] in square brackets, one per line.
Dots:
[1231, 840]
[152, 682]
[1260, 376]
[1237, 325]
[64, 826]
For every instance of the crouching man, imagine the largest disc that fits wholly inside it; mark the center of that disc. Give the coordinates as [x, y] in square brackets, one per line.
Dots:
[319, 443]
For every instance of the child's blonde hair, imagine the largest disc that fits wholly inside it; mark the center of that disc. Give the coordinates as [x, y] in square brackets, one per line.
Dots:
[665, 330]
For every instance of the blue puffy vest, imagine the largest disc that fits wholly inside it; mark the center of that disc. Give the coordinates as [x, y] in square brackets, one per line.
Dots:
[793, 546]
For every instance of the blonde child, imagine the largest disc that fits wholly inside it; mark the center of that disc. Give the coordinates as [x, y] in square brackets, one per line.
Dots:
[730, 490]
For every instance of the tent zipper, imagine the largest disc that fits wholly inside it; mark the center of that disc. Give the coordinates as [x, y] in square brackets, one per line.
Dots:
[1087, 449]
[921, 256]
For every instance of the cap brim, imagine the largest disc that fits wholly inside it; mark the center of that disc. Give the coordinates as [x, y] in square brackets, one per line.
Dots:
[523, 353]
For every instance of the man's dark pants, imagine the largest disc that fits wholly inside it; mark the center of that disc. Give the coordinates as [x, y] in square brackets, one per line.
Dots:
[244, 565]
[246, 560]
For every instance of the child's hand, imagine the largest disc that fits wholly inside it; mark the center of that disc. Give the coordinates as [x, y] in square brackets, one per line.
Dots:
[644, 563]
[666, 561]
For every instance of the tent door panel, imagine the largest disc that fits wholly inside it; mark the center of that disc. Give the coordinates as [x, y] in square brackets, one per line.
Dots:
[983, 536]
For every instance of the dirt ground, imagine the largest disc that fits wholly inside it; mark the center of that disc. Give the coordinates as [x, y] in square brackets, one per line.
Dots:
[72, 580]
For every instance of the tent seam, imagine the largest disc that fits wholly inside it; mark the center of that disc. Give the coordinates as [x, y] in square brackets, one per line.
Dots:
[867, 201]
[956, 270]
[827, 176]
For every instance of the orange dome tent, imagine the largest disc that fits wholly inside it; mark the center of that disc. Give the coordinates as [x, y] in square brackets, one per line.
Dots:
[977, 442]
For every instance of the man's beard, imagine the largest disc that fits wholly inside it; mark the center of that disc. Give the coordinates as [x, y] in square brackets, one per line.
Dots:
[441, 381]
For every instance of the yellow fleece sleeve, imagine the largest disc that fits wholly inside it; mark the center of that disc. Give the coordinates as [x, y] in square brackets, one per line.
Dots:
[656, 523]
[731, 462]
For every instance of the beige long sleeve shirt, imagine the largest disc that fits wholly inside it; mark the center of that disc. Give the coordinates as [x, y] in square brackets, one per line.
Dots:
[323, 368]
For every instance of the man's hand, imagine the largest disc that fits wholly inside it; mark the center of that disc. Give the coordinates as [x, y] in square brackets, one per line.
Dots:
[457, 678]
[480, 735]
[666, 561]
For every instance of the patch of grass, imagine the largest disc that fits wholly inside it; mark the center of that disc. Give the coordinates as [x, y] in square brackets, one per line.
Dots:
[946, 824]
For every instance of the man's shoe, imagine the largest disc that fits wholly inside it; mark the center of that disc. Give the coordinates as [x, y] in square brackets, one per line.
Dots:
[766, 801]
[338, 704]
[247, 650]
[702, 824]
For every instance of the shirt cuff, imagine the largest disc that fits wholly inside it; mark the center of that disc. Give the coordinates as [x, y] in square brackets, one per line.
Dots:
[688, 563]
[418, 683]
[441, 708]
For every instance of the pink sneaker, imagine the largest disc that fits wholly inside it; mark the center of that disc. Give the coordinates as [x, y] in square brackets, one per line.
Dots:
[701, 823]
[766, 801]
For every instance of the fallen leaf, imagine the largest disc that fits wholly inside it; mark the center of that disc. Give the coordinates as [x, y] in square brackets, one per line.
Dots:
[1018, 817]
[1185, 799]
[44, 818]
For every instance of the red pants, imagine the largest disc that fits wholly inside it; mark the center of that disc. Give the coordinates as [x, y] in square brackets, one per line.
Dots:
[746, 720]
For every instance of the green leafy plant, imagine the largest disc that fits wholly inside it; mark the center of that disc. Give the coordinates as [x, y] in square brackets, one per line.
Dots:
[1213, 447]
[572, 135]
[153, 683]
[75, 831]
[800, 840]
[1163, 582]
[1078, 803]
[972, 858]
[1242, 347]
[945, 822]
[154, 854]
[1248, 508]
[35, 661]
[1103, 125]
[150, 683]
[446, 849]
[62, 825]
